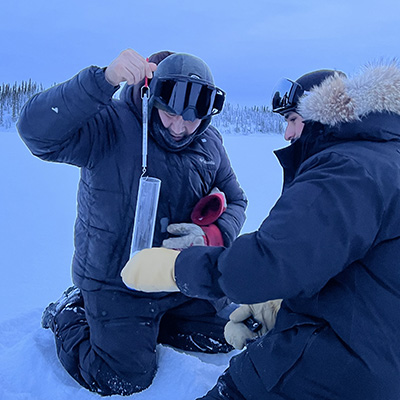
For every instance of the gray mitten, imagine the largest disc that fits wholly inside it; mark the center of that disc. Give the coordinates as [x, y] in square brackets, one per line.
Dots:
[186, 235]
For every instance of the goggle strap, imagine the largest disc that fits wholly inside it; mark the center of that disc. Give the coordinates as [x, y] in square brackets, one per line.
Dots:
[219, 100]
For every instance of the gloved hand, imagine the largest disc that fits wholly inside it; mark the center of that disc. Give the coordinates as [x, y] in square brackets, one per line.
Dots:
[209, 208]
[187, 235]
[151, 270]
[236, 332]
[222, 194]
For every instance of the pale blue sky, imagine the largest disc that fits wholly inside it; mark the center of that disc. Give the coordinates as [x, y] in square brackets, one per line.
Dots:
[248, 44]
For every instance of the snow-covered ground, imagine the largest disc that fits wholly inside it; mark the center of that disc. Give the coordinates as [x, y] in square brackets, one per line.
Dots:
[37, 212]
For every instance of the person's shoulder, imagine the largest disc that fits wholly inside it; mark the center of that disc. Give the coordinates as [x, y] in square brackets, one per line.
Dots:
[213, 134]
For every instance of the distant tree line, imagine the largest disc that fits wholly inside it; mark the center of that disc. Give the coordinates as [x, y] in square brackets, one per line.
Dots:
[234, 119]
[243, 120]
[13, 97]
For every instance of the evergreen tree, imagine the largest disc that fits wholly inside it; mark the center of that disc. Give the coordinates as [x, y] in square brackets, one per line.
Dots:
[12, 99]
[248, 120]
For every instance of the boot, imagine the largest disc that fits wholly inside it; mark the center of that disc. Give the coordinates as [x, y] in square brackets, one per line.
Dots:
[72, 296]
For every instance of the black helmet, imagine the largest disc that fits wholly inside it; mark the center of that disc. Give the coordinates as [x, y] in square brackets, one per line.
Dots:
[183, 84]
[287, 93]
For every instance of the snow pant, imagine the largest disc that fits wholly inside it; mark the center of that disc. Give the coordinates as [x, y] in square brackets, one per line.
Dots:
[109, 345]
[325, 368]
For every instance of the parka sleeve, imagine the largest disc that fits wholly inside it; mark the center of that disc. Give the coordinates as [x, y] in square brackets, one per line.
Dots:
[231, 221]
[70, 122]
[327, 219]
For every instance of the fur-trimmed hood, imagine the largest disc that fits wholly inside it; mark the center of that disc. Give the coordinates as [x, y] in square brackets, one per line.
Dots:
[340, 99]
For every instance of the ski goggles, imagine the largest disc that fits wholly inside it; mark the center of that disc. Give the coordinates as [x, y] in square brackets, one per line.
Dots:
[192, 98]
[285, 96]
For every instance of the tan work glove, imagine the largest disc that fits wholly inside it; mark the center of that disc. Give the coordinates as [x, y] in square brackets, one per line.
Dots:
[186, 235]
[236, 332]
[151, 270]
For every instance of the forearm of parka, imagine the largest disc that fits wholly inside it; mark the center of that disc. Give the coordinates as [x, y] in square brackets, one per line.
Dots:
[231, 221]
[50, 120]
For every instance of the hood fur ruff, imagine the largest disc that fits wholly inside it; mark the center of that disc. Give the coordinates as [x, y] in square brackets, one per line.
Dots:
[339, 99]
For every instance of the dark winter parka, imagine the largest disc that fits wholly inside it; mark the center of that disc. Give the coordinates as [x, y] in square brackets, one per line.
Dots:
[331, 244]
[78, 122]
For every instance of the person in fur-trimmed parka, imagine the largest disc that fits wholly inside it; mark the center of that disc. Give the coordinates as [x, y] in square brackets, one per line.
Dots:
[330, 248]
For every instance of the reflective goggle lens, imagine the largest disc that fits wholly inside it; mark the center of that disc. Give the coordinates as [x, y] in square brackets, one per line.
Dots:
[189, 97]
[285, 95]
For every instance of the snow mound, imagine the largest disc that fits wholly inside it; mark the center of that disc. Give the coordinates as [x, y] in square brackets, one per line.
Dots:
[30, 370]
